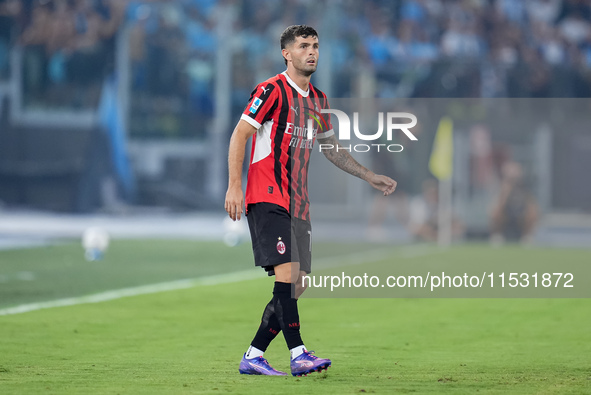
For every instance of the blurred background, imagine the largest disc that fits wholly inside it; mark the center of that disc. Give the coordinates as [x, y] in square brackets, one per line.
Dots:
[119, 113]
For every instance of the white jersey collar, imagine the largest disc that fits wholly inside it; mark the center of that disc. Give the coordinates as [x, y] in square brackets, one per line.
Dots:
[295, 86]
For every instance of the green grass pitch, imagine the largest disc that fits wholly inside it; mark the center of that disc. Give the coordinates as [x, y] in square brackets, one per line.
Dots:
[191, 340]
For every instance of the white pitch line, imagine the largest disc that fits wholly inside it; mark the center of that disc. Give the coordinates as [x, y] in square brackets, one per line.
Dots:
[352, 259]
[134, 291]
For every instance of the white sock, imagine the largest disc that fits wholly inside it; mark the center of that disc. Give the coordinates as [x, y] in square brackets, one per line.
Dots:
[253, 352]
[297, 351]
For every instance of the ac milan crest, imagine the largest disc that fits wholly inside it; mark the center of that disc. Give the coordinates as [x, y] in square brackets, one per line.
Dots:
[280, 246]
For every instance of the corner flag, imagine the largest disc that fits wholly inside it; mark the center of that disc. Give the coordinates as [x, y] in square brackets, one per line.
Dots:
[441, 165]
[441, 161]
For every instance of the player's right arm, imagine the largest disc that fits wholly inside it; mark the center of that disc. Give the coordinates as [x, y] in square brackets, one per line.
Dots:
[260, 108]
[234, 196]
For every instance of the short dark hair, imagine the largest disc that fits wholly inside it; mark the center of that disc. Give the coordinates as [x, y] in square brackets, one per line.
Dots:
[290, 34]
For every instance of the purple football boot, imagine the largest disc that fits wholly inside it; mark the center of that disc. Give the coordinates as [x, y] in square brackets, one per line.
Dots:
[308, 363]
[258, 365]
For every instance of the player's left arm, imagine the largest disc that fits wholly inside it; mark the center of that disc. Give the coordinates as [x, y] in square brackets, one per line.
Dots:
[343, 160]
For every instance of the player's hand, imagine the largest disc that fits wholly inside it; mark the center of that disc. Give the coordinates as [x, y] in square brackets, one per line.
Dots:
[382, 183]
[234, 203]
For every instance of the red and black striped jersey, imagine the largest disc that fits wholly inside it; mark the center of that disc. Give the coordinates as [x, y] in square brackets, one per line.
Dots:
[288, 121]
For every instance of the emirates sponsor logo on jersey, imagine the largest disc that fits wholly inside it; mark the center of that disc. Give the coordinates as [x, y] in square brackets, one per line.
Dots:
[299, 142]
[300, 131]
[281, 247]
[308, 131]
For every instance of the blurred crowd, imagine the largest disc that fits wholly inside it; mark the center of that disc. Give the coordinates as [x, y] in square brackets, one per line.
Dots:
[532, 48]
[69, 45]
[502, 31]
[172, 48]
[516, 44]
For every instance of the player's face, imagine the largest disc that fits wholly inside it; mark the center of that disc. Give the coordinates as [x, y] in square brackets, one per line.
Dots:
[303, 54]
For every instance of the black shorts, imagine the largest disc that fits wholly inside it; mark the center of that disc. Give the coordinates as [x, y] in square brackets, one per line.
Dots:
[278, 238]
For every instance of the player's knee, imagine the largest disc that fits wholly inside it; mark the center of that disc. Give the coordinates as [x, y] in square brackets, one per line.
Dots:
[287, 272]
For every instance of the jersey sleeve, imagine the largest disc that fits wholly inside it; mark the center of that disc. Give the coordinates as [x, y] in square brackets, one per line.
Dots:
[329, 131]
[262, 104]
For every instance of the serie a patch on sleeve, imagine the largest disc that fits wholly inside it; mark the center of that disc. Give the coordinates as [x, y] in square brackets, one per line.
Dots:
[256, 103]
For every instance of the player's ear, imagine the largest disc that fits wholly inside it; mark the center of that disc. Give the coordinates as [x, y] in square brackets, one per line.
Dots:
[286, 54]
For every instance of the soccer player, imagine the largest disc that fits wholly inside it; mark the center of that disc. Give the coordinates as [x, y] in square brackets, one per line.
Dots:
[277, 205]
